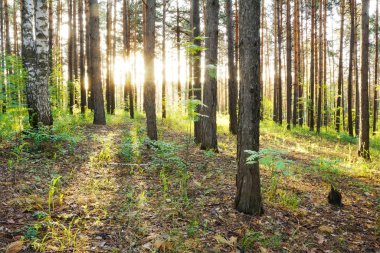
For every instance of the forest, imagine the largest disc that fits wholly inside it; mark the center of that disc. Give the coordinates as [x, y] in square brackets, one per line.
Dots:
[189, 126]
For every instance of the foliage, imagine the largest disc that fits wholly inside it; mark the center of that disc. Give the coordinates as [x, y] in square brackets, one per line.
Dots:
[54, 190]
[44, 138]
[166, 159]
[250, 238]
[13, 99]
[273, 160]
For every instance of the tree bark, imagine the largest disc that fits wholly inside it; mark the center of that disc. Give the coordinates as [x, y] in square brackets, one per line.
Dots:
[83, 93]
[232, 82]
[248, 196]
[178, 38]
[35, 54]
[296, 62]
[350, 69]
[339, 104]
[288, 66]
[376, 86]
[108, 57]
[70, 58]
[128, 89]
[88, 56]
[364, 103]
[51, 34]
[209, 138]
[149, 83]
[164, 59]
[95, 65]
[320, 69]
[2, 64]
[197, 67]
[312, 67]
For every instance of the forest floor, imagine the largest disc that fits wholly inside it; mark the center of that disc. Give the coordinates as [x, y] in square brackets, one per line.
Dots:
[92, 188]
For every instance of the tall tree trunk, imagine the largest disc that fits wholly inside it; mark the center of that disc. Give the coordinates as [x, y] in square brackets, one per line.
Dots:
[364, 103]
[149, 83]
[236, 40]
[113, 58]
[356, 67]
[376, 86]
[350, 69]
[276, 61]
[302, 69]
[8, 50]
[88, 56]
[312, 67]
[51, 34]
[95, 65]
[197, 66]
[15, 30]
[296, 62]
[108, 57]
[248, 196]
[75, 50]
[232, 82]
[128, 89]
[83, 93]
[164, 59]
[178, 37]
[320, 69]
[70, 58]
[209, 138]
[325, 109]
[288, 66]
[262, 60]
[2, 64]
[279, 85]
[35, 54]
[339, 104]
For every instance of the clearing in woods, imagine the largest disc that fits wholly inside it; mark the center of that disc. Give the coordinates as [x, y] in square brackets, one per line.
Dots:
[107, 189]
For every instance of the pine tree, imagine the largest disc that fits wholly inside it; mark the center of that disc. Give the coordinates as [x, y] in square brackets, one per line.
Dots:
[149, 83]
[248, 197]
[209, 138]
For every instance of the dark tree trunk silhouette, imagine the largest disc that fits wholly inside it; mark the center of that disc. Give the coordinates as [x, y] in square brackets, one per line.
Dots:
[364, 101]
[149, 83]
[164, 59]
[197, 66]
[2, 64]
[209, 138]
[232, 82]
[312, 67]
[95, 67]
[320, 69]
[83, 93]
[296, 62]
[88, 56]
[339, 104]
[356, 67]
[109, 57]
[276, 63]
[350, 69]
[288, 66]
[248, 197]
[128, 89]
[178, 37]
[70, 58]
[376, 86]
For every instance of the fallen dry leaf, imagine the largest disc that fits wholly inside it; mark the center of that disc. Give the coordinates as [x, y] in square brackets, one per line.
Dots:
[15, 247]
[326, 229]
